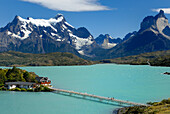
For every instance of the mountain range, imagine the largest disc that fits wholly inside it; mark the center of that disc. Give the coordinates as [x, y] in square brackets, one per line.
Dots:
[45, 36]
[57, 35]
[152, 36]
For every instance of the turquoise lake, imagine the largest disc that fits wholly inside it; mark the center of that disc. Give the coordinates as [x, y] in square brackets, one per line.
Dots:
[139, 84]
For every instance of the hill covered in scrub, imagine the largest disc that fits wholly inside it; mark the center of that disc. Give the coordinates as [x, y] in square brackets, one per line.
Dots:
[15, 75]
[12, 58]
[159, 58]
[162, 107]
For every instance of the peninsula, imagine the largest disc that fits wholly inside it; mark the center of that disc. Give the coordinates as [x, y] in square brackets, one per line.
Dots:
[16, 79]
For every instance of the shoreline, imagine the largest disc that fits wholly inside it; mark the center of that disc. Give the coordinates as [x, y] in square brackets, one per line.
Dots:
[116, 111]
[119, 110]
[160, 107]
[83, 65]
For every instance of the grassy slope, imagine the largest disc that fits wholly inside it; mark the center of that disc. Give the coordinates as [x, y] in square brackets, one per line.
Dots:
[159, 58]
[162, 107]
[12, 58]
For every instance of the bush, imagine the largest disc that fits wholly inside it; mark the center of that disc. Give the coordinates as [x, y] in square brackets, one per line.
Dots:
[12, 89]
[1, 85]
[150, 103]
[38, 89]
[30, 90]
[4, 88]
[46, 89]
[17, 89]
[165, 101]
[23, 89]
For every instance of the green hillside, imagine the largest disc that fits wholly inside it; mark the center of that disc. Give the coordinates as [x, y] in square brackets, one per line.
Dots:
[16, 74]
[162, 107]
[12, 58]
[159, 58]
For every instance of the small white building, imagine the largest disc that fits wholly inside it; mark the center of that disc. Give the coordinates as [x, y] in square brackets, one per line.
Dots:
[26, 85]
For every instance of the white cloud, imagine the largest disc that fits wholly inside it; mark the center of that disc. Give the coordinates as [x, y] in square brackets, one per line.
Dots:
[70, 5]
[166, 10]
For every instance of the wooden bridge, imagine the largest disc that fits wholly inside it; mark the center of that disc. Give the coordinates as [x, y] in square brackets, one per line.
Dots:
[98, 98]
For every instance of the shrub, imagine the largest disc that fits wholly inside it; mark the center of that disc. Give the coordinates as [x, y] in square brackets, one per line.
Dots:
[3, 88]
[23, 89]
[1, 85]
[46, 89]
[17, 89]
[150, 103]
[30, 90]
[165, 101]
[38, 89]
[12, 89]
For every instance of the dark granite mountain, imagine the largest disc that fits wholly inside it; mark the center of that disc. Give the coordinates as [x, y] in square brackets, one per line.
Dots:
[154, 35]
[44, 36]
[106, 41]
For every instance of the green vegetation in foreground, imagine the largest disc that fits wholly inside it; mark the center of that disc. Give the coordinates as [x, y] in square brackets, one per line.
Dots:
[159, 58]
[162, 107]
[12, 58]
[16, 75]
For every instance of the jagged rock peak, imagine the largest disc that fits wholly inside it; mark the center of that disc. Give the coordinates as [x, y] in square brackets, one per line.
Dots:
[160, 14]
[16, 18]
[108, 36]
[104, 36]
[59, 16]
[155, 22]
[82, 32]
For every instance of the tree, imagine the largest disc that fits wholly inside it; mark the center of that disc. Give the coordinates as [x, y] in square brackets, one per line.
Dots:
[21, 78]
[14, 69]
[3, 77]
[27, 76]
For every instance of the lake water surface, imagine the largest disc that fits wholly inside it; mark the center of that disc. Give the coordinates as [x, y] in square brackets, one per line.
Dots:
[139, 84]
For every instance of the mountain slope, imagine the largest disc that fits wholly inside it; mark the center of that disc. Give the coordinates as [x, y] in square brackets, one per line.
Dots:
[152, 36]
[51, 59]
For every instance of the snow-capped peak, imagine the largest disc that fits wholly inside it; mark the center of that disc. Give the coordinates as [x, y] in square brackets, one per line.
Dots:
[41, 22]
[59, 15]
[56, 28]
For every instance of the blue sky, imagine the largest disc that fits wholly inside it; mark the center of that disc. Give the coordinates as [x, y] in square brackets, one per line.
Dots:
[114, 17]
